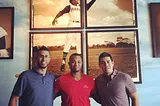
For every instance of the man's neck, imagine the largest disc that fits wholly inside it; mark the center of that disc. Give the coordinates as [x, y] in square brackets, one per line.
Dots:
[76, 75]
[42, 71]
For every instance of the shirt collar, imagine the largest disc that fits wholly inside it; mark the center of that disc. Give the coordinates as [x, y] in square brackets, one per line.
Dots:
[40, 73]
[115, 72]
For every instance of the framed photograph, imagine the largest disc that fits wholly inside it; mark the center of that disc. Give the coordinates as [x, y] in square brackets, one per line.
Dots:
[54, 14]
[121, 44]
[154, 9]
[6, 32]
[57, 43]
[112, 13]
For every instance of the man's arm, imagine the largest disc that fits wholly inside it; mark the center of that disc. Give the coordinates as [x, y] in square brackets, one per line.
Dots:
[90, 4]
[95, 94]
[13, 101]
[57, 88]
[134, 98]
[96, 97]
[65, 10]
[56, 95]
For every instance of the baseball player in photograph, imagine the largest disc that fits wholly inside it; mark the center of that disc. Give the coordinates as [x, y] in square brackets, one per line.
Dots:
[73, 10]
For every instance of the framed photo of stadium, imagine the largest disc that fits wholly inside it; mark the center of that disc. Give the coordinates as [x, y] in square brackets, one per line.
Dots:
[6, 32]
[57, 43]
[121, 44]
[112, 13]
[54, 14]
[154, 9]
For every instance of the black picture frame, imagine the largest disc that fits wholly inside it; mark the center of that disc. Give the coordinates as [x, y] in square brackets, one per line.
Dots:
[154, 10]
[121, 44]
[6, 32]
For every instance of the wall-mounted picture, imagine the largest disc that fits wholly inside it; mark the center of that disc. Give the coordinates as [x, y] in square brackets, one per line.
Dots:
[112, 13]
[60, 45]
[52, 14]
[155, 27]
[6, 32]
[55, 13]
[122, 45]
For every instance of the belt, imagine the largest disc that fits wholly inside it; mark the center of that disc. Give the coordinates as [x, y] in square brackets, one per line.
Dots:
[76, 21]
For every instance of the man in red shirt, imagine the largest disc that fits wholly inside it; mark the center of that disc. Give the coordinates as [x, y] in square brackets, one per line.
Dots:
[75, 87]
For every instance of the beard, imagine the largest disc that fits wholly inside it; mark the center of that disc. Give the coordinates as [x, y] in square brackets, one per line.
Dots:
[41, 66]
[76, 70]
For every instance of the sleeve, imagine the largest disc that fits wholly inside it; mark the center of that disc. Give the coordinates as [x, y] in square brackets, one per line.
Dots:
[90, 4]
[130, 86]
[95, 94]
[92, 85]
[65, 10]
[20, 85]
[57, 86]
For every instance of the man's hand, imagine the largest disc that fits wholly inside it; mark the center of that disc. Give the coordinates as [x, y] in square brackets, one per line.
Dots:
[54, 22]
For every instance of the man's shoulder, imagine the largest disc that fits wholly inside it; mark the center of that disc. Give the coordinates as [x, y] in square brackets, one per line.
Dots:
[64, 76]
[122, 73]
[100, 78]
[27, 72]
[87, 77]
[24, 74]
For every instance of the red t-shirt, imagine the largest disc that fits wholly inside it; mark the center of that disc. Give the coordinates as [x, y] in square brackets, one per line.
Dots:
[74, 93]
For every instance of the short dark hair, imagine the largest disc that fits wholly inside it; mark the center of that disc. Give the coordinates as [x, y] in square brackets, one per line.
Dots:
[43, 48]
[105, 54]
[74, 54]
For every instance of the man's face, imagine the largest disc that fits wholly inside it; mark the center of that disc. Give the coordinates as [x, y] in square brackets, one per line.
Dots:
[75, 64]
[78, 1]
[75, 2]
[106, 65]
[43, 59]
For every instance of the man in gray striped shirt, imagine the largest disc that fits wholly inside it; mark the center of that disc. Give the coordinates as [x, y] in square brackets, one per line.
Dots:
[114, 88]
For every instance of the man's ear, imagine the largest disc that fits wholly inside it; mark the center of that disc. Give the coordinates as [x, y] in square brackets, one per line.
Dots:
[113, 62]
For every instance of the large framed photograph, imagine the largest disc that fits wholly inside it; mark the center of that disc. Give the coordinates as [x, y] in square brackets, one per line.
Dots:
[57, 43]
[112, 13]
[55, 14]
[122, 45]
[6, 32]
[154, 9]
